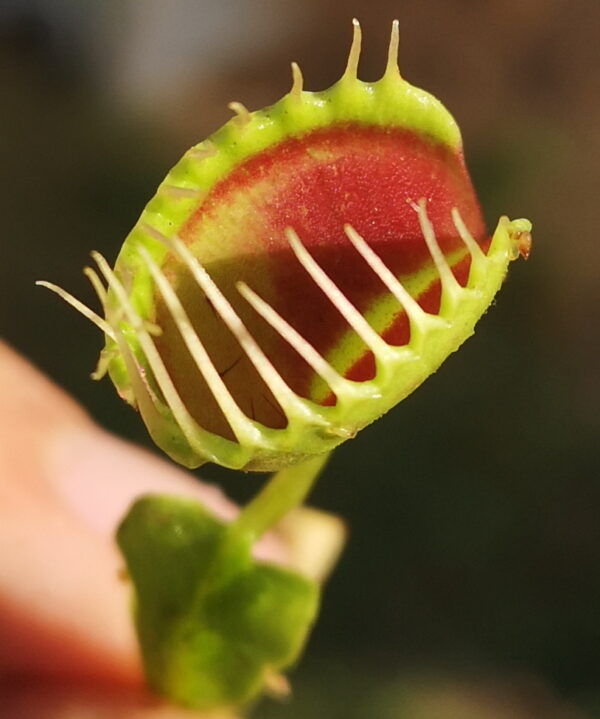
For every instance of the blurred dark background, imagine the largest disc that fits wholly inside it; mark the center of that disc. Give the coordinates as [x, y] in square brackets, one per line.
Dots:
[470, 586]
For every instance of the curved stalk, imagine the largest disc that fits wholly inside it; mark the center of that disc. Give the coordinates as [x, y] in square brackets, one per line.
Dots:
[285, 490]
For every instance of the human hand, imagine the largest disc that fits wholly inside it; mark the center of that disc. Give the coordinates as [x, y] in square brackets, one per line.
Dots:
[67, 643]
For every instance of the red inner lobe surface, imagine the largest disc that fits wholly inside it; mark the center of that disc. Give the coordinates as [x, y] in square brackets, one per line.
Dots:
[315, 184]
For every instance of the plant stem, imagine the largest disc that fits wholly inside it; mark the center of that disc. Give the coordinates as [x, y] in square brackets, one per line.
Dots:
[282, 492]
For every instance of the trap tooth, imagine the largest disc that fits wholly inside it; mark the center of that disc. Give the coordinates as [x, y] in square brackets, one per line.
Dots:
[300, 272]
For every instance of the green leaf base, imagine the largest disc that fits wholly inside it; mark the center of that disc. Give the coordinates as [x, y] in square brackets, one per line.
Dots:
[213, 623]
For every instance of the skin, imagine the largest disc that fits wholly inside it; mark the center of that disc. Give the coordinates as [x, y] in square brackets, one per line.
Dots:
[67, 647]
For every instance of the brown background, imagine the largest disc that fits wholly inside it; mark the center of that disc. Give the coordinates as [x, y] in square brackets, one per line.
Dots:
[471, 582]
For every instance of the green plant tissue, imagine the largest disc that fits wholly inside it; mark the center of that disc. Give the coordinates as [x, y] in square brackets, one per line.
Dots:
[213, 623]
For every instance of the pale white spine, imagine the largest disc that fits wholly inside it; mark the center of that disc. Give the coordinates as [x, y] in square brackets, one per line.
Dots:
[289, 401]
[188, 426]
[79, 306]
[240, 424]
[477, 254]
[297, 82]
[419, 319]
[208, 149]
[242, 114]
[96, 283]
[392, 69]
[351, 71]
[308, 353]
[450, 284]
[363, 329]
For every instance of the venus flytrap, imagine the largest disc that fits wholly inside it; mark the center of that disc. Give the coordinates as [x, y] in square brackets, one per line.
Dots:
[295, 276]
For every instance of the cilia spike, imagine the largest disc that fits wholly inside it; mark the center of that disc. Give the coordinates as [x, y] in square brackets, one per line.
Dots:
[300, 272]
